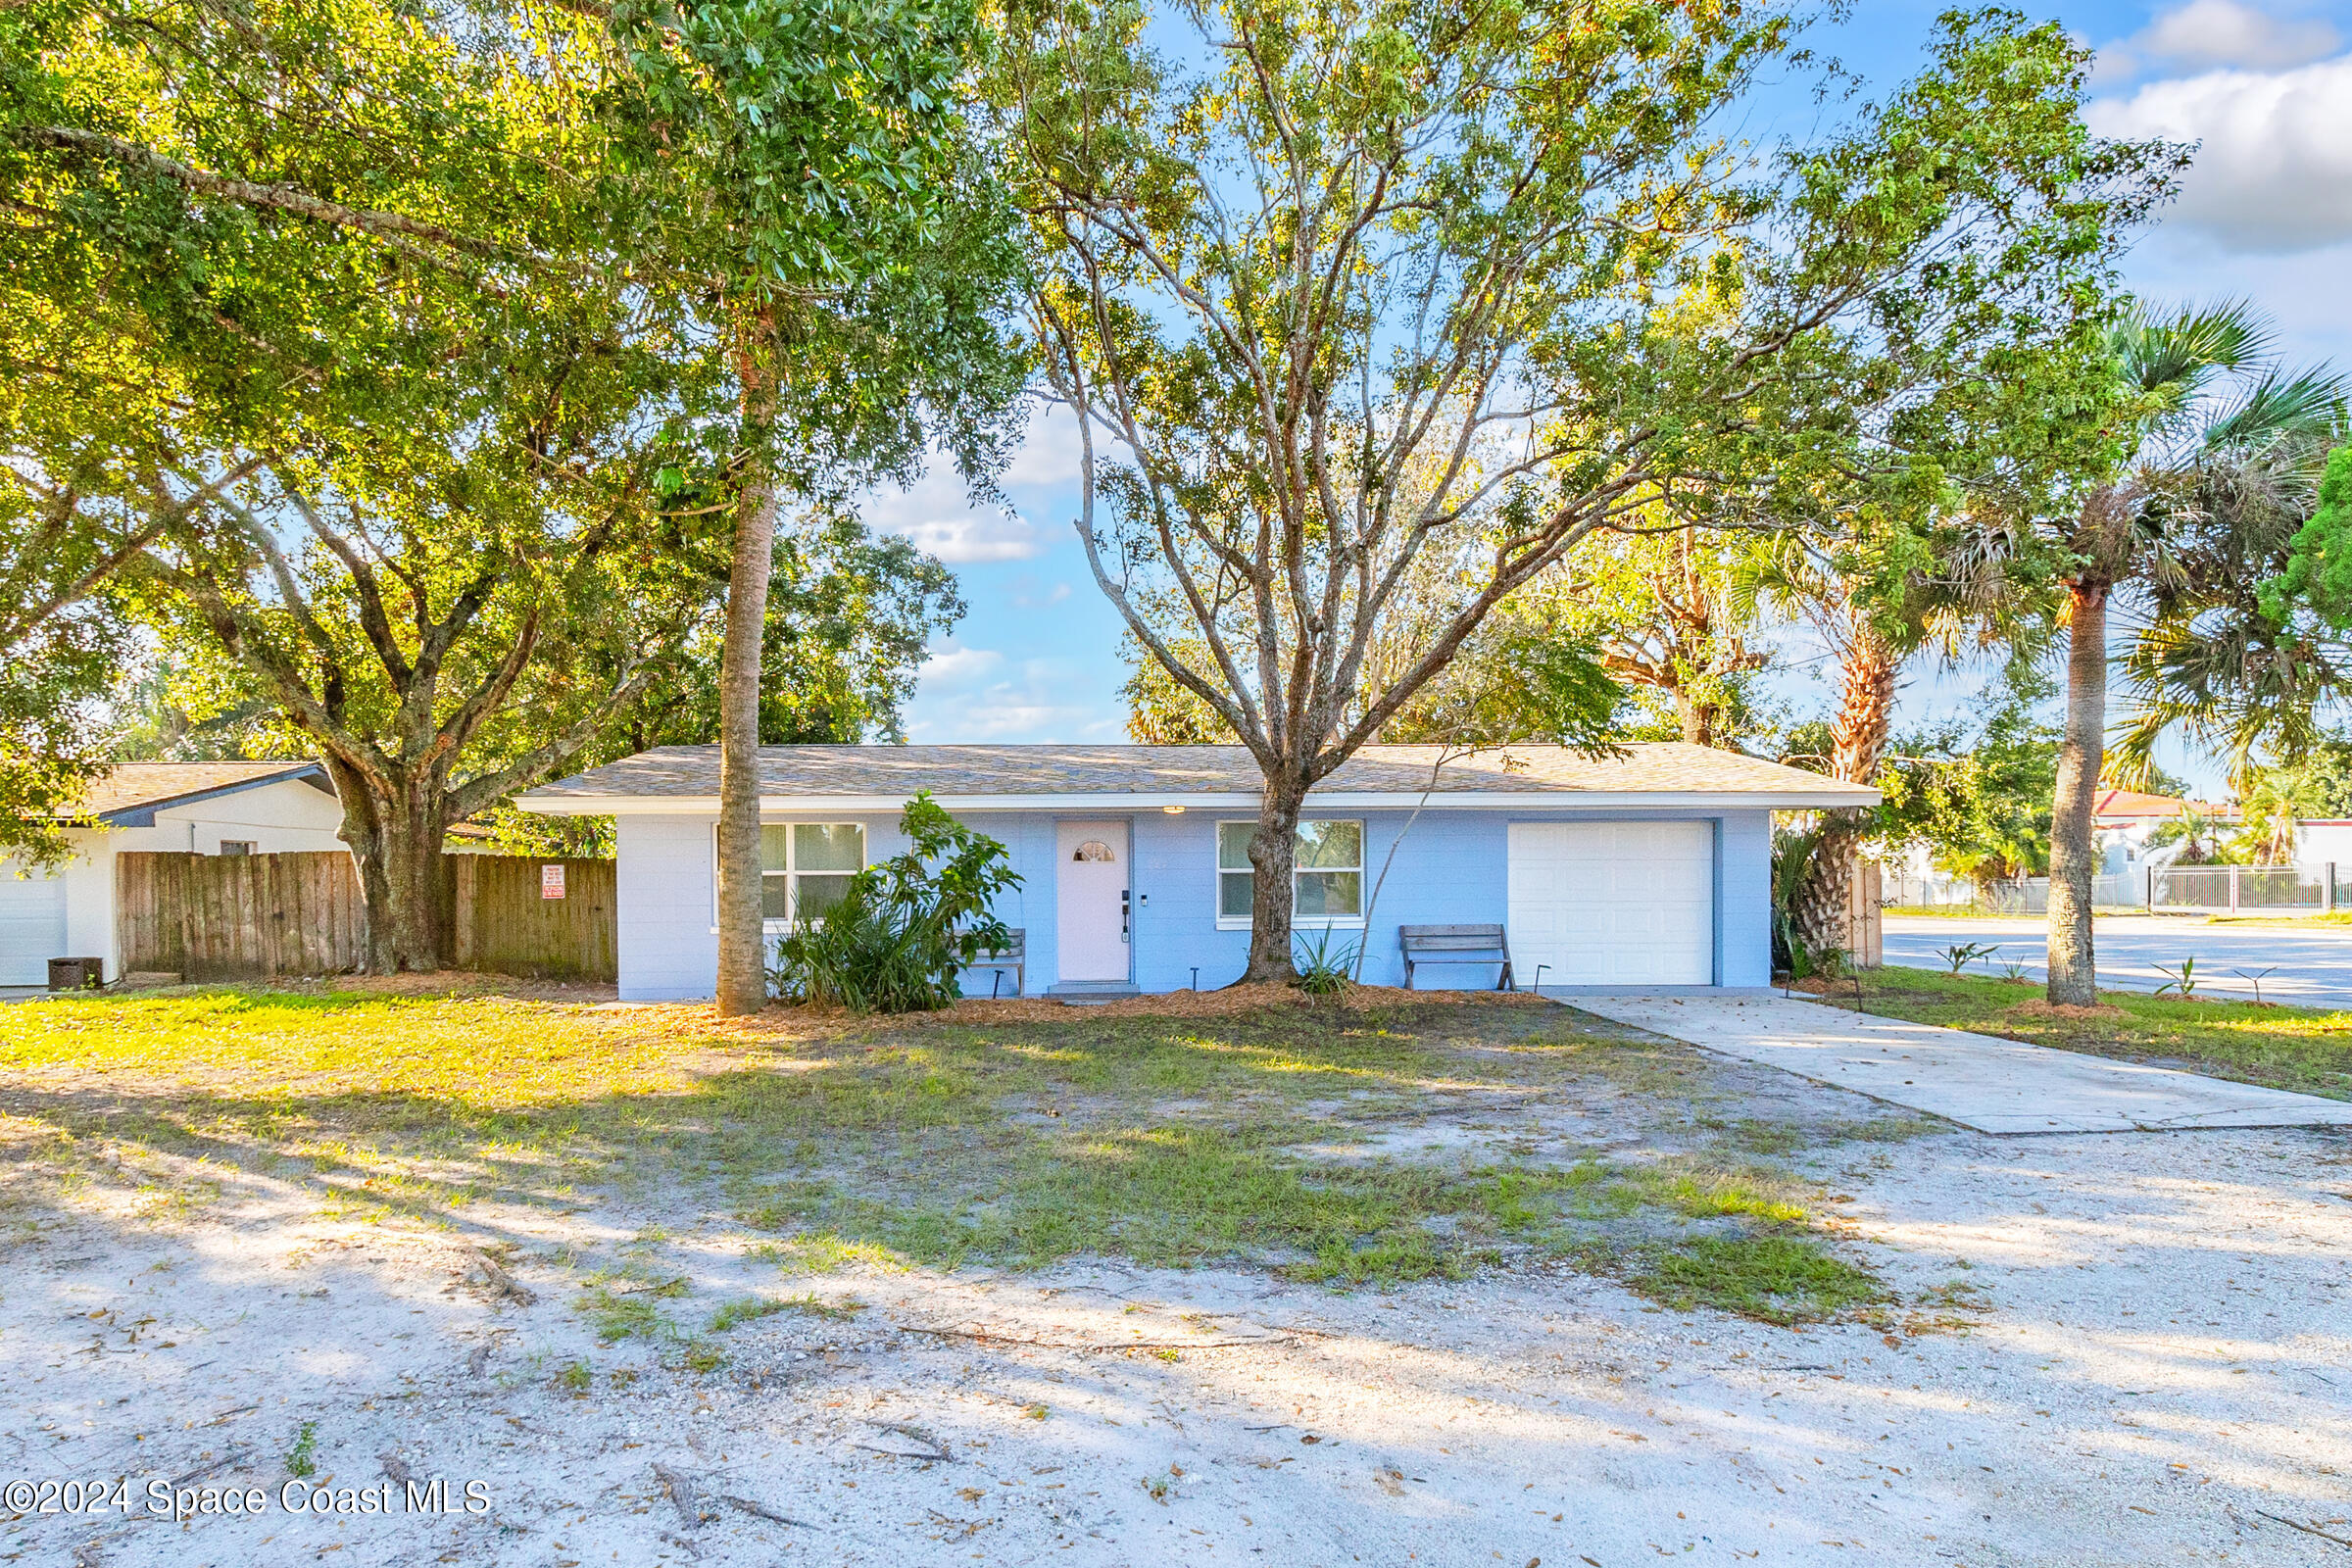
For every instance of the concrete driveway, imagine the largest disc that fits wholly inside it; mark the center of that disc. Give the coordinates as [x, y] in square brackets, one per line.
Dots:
[1994, 1086]
[2312, 968]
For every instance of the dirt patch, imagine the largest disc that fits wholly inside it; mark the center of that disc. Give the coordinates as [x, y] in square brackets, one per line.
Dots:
[1231, 1002]
[1234, 1000]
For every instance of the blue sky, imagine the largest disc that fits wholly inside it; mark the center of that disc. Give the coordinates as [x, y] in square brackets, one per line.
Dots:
[2266, 86]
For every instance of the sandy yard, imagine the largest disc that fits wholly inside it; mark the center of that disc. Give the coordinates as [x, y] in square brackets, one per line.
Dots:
[271, 1289]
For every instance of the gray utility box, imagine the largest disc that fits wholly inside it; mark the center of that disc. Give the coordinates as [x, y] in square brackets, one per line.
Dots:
[76, 974]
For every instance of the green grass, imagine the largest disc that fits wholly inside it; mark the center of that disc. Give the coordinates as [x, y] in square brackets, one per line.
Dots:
[751, 1309]
[1778, 1278]
[1166, 1141]
[2340, 917]
[2303, 1049]
[302, 1458]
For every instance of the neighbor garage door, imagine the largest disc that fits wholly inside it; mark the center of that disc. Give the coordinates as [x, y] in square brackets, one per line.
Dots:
[1613, 903]
[32, 927]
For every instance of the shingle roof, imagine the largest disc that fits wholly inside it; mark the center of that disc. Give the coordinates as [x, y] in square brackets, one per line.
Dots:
[2134, 804]
[952, 772]
[144, 786]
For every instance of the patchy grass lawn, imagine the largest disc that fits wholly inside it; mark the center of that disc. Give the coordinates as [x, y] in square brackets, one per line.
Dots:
[1368, 1144]
[2342, 917]
[2307, 1050]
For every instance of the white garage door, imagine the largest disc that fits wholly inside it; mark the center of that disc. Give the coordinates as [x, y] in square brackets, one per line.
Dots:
[1613, 903]
[32, 927]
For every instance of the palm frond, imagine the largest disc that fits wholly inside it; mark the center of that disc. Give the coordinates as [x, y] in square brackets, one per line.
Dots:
[2177, 354]
[2304, 409]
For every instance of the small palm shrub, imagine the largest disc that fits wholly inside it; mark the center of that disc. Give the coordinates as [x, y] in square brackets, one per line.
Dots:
[903, 929]
[1323, 973]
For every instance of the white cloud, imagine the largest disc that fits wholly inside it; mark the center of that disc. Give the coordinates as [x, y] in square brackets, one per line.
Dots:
[1029, 594]
[1048, 451]
[2206, 33]
[2274, 168]
[959, 666]
[1046, 700]
[937, 514]
[972, 536]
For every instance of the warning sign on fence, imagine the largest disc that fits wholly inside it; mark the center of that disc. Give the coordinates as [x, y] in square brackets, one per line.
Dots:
[550, 881]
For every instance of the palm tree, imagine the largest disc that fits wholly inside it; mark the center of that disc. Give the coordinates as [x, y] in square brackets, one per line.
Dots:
[2213, 416]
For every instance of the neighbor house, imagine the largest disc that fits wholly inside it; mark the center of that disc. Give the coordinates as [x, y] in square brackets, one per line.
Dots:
[1650, 868]
[2123, 821]
[204, 808]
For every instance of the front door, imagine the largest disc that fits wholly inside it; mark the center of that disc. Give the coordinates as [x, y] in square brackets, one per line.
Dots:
[1090, 900]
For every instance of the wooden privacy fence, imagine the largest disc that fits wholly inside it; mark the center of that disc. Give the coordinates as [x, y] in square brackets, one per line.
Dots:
[226, 917]
[508, 922]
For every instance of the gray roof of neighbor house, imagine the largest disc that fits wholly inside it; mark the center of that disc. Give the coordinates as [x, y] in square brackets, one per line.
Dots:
[129, 793]
[677, 778]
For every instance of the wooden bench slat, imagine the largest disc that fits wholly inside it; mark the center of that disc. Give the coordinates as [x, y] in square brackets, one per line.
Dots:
[1454, 943]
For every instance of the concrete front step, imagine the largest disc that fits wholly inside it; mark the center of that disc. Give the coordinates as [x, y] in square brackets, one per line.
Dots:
[1091, 993]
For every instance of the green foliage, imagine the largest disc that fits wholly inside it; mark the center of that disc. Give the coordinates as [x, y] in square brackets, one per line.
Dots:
[1665, 614]
[809, 171]
[1323, 973]
[1794, 844]
[301, 1458]
[2200, 839]
[849, 619]
[1961, 954]
[903, 929]
[2319, 571]
[1518, 219]
[1979, 797]
[2181, 982]
[2238, 644]
[2320, 785]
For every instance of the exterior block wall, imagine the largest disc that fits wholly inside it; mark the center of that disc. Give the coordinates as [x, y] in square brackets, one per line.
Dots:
[1449, 866]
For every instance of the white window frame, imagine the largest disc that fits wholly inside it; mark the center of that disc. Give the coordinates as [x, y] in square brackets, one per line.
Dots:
[791, 872]
[1218, 872]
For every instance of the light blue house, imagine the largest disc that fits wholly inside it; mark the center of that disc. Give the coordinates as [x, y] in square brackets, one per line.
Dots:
[1649, 871]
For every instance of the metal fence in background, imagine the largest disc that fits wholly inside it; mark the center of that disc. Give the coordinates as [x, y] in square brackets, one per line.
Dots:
[2206, 889]
[2235, 888]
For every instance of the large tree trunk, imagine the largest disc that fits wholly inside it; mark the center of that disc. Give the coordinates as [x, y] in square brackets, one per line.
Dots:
[1274, 861]
[2074, 972]
[396, 844]
[1857, 744]
[1698, 719]
[742, 928]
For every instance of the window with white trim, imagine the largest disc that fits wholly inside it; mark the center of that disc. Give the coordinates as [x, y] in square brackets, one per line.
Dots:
[1328, 867]
[806, 866]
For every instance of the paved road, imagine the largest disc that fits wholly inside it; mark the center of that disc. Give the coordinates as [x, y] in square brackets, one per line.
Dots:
[1995, 1086]
[2311, 967]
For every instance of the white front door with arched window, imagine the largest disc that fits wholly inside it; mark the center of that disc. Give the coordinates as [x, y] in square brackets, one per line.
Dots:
[1091, 901]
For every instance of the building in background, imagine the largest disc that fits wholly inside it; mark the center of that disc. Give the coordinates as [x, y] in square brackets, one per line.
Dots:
[200, 808]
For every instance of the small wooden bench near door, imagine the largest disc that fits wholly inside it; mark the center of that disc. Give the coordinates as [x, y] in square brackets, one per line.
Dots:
[1013, 955]
[1456, 944]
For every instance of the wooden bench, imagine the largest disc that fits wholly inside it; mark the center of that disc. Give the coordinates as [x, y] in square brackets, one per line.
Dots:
[1013, 955]
[1456, 944]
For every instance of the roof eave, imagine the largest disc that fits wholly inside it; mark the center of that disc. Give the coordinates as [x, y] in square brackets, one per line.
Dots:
[142, 812]
[1825, 799]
